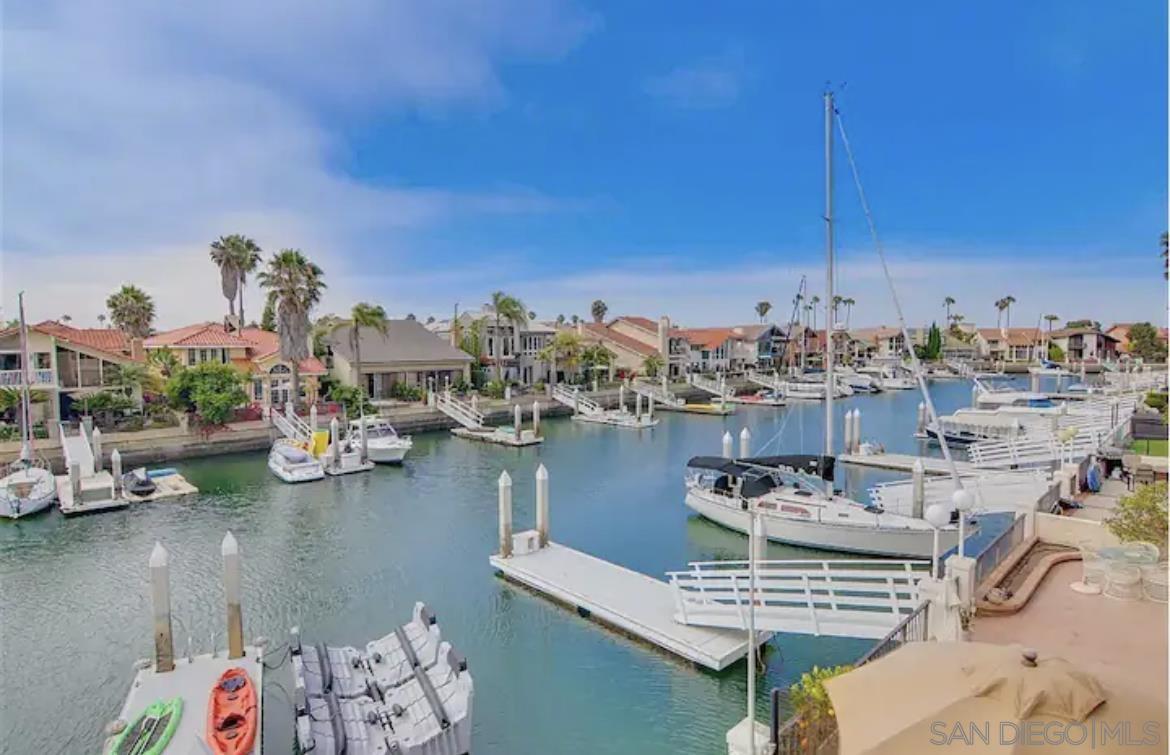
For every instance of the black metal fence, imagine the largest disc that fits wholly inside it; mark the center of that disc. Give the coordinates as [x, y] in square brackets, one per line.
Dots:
[997, 551]
[805, 735]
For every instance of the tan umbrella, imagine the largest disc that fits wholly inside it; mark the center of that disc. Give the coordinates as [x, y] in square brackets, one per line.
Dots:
[980, 698]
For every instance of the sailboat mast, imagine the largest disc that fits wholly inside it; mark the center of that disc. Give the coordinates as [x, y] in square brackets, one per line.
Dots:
[829, 280]
[25, 412]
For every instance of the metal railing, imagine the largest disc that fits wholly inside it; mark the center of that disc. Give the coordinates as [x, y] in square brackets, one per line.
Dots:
[818, 735]
[573, 399]
[994, 554]
[16, 377]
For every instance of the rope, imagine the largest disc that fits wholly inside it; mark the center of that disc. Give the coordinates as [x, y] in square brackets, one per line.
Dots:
[915, 365]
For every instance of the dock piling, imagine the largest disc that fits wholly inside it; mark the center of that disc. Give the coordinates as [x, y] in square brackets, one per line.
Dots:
[97, 450]
[230, 549]
[335, 442]
[505, 515]
[745, 443]
[577, 399]
[87, 427]
[638, 407]
[622, 398]
[918, 493]
[856, 430]
[517, 416]
[365, 436]
[75, 479]
[847, 433]
[116, 470]
[922, 417]
[727, 445]
[313, 417]
[536, 418]
[160, 598]
[475, 402]
[542, 505]
[650, 408]
[975, 396]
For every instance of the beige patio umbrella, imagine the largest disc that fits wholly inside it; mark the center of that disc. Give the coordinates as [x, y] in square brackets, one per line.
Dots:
[978, 698]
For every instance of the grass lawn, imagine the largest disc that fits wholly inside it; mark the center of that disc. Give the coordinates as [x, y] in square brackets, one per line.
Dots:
[1151, 447]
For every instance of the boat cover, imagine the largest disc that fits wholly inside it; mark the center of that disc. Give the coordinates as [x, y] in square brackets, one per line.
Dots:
[819, 466]
[292, 454]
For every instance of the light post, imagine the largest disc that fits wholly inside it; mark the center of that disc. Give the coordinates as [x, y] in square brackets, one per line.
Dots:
[963, 501]
[937, 516]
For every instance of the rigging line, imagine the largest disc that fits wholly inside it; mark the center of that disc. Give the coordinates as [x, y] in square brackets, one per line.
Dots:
[776, 437]
[915, 364]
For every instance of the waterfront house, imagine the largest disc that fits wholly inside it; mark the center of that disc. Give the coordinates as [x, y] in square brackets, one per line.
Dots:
[407, 354]
[716, 349]
[666, 340]
[1120, 333]
[629, 353]
[66, 364]
[1085, 344]
[253, 351]
[518, 344]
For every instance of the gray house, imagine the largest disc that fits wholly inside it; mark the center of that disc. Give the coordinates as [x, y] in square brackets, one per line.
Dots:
[408, 353]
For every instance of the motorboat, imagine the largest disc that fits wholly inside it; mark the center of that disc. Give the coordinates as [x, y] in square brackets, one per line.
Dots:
[138, 482]
[292, 462]
[764, 397]
[859, 382]
[794, 508]
[29, 487]
[383, 443]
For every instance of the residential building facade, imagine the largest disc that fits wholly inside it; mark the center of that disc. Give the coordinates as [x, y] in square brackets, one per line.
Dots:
[407, 353]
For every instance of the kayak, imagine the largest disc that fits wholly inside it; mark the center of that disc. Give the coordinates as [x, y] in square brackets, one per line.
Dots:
[150, 733]
[231, 714]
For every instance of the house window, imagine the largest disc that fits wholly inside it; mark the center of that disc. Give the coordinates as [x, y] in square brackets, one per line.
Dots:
[257, 390]
[491, 344]
[190, 357]
[223, 356]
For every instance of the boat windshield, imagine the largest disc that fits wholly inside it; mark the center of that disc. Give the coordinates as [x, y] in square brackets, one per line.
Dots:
[376, 430]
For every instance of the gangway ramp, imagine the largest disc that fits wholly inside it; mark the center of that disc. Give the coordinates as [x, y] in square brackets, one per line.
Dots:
[715, 387]
[77, 450]
[291, 426]
[658, 392]
[840, 598]
[460, 411]
[574, 400]
[764, 380]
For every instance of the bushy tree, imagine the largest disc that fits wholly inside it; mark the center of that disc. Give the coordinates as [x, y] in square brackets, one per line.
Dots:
[1142, 516]
[211, 390]
[1145, 343]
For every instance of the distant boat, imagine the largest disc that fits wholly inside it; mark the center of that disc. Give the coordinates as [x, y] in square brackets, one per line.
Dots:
[292, 463]
[383, 443]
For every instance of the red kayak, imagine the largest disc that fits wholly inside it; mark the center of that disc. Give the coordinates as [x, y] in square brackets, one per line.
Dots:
[231, 714]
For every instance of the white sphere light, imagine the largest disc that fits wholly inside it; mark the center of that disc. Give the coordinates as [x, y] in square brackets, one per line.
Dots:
[962, 500]
[937, 515]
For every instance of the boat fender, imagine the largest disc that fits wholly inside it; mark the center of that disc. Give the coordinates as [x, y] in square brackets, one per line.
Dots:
[377, 657]
[371, 718]
[397, 710]
[355, 662]
[456, 661]
[326, 669]
[374, 690]
[427, 617]
[394, 747]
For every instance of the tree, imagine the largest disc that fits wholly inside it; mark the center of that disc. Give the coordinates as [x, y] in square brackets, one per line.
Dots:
[66, 318]
[598, 309]
[560, 319]
[1051, 319]
[595, 357]
[948, 303]
[762, 309]
[297, 285]
[410, 316]
[812, 305]
[131, 310]
[1081, 324]
[565, 350]
[848, 302]
[430, 319]
[211, 389]
[1142, 516]
[470, 337]
[1000, 306]
[1055, 353]
[652, 364]
[576, 319]
[1145, 342]
[165, 361]
[506, 307]
[531, 315]
[932, 349]
[364, 315]
[237, 256]
[1008, 301]
[268, 319]
[101, 321]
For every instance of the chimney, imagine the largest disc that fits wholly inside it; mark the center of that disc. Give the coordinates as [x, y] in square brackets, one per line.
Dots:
[137, 353]
[580, 327]
[664, 337]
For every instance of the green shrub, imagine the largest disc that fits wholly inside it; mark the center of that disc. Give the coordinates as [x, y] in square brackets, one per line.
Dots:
[809, 698]
[1142, 515]
[539, 387]
[211, 390]
[106, 401]
[494, 389]
[1157, 401]
[406, 392]
[460, 385]
[352, 398]
[9, 432]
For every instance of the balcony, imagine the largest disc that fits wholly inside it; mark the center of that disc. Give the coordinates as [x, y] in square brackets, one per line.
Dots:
[13, 378]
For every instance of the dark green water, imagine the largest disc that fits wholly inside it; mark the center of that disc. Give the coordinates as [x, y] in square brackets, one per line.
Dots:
[346, 558]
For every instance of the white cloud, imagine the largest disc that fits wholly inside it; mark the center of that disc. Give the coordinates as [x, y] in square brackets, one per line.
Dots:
[136, 132]
[705, 84]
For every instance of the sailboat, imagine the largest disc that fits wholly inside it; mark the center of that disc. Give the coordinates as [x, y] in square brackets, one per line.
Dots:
[793, 497]
[29, 486]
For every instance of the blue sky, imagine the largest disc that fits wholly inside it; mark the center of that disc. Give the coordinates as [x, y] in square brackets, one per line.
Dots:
[665, 157]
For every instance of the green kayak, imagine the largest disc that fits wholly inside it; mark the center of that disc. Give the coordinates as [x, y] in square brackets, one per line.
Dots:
[151, 732]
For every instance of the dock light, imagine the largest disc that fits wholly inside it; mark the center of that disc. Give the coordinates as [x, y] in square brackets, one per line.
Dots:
[963, 501]
[937, 516]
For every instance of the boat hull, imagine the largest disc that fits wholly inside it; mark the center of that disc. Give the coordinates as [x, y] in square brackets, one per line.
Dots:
[296, 473]
[27, 492]
[386, 454]
[872, 540]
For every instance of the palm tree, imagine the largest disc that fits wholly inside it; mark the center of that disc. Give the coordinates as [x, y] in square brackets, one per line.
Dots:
[165, 360]
[236, 256]
[364, 315]
[812, 305]
[66, 318]
[560, 319]
[506, 307]
[598, 309]
[131, 310]
[1000, 306]
[296, 284]
[531, 315]
[1008, 301]
[565, 350]
[576, 319]
[848, 302]
[948, 303]
[652, 364]
[762, 309]
[101, 321]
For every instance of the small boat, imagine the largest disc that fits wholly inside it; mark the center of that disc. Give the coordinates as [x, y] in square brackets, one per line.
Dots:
[763, 397]
[138, 482]
[231, 714]
[292, 463]
[151, 732]
[383, 443]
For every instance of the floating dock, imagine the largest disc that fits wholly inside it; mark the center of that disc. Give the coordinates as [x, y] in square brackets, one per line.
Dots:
[718, 410]
[904, 463]
[633, 603]
[169, 486]
[502, 436]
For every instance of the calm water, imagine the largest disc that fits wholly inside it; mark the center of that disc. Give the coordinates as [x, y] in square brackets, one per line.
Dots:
[346, 558]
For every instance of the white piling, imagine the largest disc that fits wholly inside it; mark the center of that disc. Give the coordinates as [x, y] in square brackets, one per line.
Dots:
[1034, 383]
[974, 397]
[87, 427]
[918, 489]
[160, 599]
[665, 383]
[847, 433]
[727, 445]
[595, 385]
[335, 442]
[97, 450]
[475, 402]
[856, 430]
[507, 393]
[650, 408]
[116, 470]
[622, 397]
[536, 418]
[365, 436]
[576, 399]
[505, 485]
[313, 417]
[542, 505]
[230, 549]
[638, 406]
[761, 540]
[922, 417]
[745, 443]
[517, 417]
[75, 480]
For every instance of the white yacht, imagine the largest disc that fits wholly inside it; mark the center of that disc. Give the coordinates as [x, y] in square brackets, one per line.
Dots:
[383, 443]
[859, 382]
[795, 510]
[29, 486]
[289, 461]
[990, 397]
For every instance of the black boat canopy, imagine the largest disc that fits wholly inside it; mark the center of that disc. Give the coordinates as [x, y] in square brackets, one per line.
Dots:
[819, 466]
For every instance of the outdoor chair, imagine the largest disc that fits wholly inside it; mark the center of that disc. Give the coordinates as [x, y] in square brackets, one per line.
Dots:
[1123, 581]
[1144, 475]
[1129, 463]
[1155, 579]
[1093, 574]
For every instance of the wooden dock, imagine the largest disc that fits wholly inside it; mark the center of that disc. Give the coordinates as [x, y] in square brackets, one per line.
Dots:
[170, 486]
[632, 603]
[903, 463]
[498, 436]
[717, 410]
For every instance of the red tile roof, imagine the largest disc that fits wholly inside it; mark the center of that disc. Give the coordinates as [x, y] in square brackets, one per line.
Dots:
[267, 343]
[709, 338]
[109, 341]
[200, 334]
[606, 333]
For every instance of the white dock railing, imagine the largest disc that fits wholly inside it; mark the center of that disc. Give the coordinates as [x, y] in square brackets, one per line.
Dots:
[574, 400]
[658, 392]
[765, 380]
[1032, 451]
[715, 387]
[842, 598]
[994, 490]
[460, 411]
[291, 426]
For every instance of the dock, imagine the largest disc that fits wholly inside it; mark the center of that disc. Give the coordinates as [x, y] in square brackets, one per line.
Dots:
[472, 426]
[718, 410]
[903, 463]
[169, 486]
[636, 605]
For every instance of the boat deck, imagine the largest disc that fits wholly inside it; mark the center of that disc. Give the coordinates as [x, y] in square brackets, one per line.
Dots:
[904, 463]
[192, 680]
[498, 436]
[712, 409]
[170, 486]
[632, 603]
